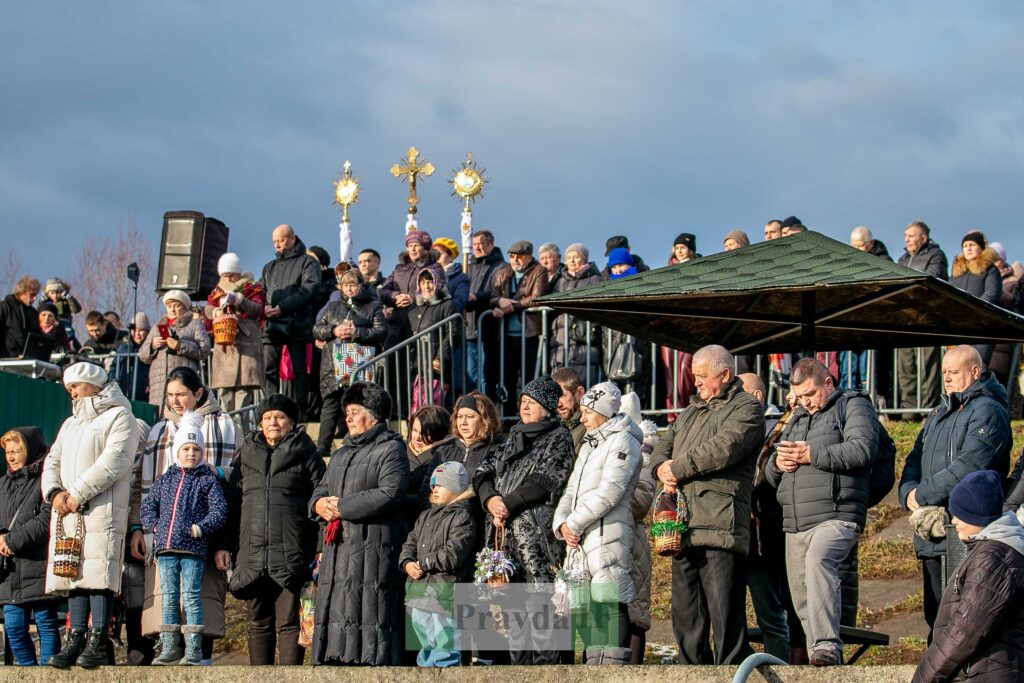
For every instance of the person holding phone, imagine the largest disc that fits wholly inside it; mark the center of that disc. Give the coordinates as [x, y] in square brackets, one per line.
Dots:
[179, 339]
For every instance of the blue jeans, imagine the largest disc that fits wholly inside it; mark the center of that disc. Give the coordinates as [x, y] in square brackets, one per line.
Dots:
[473, 381]
[853, 370]
[16, 625]
[181, 576]
[439, 639]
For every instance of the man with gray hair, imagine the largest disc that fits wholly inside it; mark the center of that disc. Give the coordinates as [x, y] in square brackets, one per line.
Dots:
[708, 458]
[861, 238]
[550, 257]
[822, 470]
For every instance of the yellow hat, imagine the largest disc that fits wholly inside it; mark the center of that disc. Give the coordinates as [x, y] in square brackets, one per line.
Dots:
[448, 244]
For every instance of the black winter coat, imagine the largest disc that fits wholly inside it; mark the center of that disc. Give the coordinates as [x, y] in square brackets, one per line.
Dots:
[442, 542]
[366, 313]
[979, 277]
[270, 489]
[359, 598]
[23, 578]
[929, 259]
[422, 315]
[529, 471]
[470, 457]
[979, 629]
[291, 281]
[481, 284]
[403, 280]
[970, 431]
[16, 321]
[836, 483]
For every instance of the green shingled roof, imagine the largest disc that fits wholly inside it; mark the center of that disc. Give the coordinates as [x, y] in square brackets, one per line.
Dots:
[760, 299]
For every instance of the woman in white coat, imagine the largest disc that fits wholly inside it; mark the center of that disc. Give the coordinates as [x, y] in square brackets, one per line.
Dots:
[595, 519]
[86, 477]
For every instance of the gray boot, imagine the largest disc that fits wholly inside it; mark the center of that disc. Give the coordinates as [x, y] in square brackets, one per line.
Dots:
[170, 645]
[193, 645]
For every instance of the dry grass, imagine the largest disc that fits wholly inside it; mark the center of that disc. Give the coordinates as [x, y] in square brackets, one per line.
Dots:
[889, 559]
[904, 651]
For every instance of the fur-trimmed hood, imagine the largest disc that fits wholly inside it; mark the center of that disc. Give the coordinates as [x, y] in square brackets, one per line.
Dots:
[979, 266]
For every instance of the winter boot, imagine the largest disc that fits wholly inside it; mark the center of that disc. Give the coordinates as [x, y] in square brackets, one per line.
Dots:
[193, 645]
[171, 651]
[74, 643]
[95, 652]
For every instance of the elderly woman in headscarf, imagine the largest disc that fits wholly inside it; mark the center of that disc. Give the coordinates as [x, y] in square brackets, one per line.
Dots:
[86, 478]
[178, 340]
[519, 485]
[569, 341]
[357, 619]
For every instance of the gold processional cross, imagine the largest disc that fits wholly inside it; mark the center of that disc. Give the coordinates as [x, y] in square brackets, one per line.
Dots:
[410, 171]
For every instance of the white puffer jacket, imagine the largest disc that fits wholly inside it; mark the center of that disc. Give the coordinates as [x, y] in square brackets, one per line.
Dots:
[597, 504]
[91, 459]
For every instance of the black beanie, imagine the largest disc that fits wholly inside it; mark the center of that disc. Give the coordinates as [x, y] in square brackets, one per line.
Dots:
[544, 391]
[282, 403]
[975, 236]
[687, 238]
[372, 397]
[790, 222]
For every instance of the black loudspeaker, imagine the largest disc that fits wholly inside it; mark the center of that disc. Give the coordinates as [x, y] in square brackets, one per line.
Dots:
[190, 246]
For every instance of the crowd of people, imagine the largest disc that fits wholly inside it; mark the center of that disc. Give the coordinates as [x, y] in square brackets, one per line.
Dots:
[144, 525]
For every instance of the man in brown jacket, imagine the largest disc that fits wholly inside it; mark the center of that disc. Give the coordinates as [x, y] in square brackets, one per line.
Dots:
[708, 457]
[514, 291]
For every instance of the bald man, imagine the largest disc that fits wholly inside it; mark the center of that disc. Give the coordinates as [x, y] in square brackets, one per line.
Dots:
[967, 433]
[291, 281]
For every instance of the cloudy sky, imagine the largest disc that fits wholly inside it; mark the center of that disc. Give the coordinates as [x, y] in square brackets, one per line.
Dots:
[592, 118]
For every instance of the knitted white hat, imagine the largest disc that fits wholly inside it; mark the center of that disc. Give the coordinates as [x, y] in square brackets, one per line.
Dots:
[190, 430]
[88, 373]
[229, 263]
[179, 296]
[604, 399]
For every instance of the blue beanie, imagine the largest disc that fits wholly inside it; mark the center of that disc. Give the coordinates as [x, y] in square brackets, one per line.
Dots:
[978, 498]
[620, 256]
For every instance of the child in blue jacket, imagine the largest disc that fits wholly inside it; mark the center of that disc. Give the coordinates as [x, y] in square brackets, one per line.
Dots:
[183, 508]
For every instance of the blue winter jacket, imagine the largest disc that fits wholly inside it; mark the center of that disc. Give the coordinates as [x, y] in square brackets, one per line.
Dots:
[181, 497]
[458, 286]
[969, 432]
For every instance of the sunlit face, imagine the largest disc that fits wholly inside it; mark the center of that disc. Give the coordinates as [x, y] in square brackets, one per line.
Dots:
[275, 425]
[232, 277]
[15, 454]
[812, 394]
[787, 231]
[427, 288]
[139, 334]
[358, 420]
[416, 442]
[710, 384]
[681, 252]
[470, 424]
[180, 398]
[530, 411]
[47, 319]
[957, 373]
[26, 297]
[349, 287]
[858, 242]
[96, 330]
[415, 250]
[619, 268]
[913, 239]
[174, 308]
[481, 246]
[190, 455]
[731, 244]
[972, 250]
[550, 260]
[964, 530]
[369, 265]
[53, 295]
[772, 231]
[567, 403]
[439, 495]
[82, 390]
[591, 419]
[574, 261]
[519, 262]
[284, 238]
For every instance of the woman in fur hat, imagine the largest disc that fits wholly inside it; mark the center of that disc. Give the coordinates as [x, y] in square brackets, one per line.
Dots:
[358, 614]
[975, 271]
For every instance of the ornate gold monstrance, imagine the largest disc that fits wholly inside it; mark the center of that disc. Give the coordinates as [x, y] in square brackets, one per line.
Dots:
[468, 184]
[346, 193]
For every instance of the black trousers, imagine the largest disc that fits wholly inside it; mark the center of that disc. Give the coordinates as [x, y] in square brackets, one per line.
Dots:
[332, 420]
[297, 390]
[516, 371]
[932, 567]
[274, 621]
[709, 594]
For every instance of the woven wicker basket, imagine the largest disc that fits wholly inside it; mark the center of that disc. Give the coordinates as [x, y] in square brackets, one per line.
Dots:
[225, 330]
[67, 551]
[667, 545]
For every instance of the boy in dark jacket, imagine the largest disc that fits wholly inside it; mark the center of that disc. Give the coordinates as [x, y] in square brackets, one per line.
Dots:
[979, 630]
[437, 554]
[183, 508]
[24, 536]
